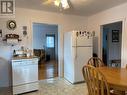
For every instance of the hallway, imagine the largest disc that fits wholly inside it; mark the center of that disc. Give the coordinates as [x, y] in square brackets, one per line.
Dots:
[48, 69]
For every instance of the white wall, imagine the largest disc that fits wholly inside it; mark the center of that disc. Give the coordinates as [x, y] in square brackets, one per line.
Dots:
[25, 17]
[109, 16]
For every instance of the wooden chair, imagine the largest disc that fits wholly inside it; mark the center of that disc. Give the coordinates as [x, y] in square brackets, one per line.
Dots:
[95, 61]
[96, 82]
[40, 53]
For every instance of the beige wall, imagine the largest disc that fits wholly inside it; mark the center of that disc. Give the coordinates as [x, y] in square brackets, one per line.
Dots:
[109, 16]
[25, 17]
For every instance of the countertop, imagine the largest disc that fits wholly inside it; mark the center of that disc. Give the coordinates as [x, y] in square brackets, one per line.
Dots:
[18, 58]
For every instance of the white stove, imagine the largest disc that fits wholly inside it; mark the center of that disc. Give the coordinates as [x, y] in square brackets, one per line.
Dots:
[25, 75]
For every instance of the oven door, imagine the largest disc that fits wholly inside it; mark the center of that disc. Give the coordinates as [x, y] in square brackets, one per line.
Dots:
[25, 72]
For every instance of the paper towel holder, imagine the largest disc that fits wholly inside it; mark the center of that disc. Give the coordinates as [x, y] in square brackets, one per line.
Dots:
[12, 37]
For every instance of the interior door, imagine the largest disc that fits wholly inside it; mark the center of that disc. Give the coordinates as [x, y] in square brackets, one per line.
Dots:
[50, 46]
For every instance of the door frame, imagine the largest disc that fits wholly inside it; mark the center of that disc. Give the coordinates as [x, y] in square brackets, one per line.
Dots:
[107, 55]
[60, 61]
[123, 20]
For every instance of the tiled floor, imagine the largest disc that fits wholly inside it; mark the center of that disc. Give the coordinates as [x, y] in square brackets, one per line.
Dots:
[59, 86]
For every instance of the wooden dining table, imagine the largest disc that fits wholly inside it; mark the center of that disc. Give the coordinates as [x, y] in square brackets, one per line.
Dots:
[116, 77]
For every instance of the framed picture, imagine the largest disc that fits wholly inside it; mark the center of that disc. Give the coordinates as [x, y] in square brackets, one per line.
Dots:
[24, 30]
[115, 35]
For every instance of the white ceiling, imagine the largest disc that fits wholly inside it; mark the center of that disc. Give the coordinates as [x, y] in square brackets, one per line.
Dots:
[78, 7]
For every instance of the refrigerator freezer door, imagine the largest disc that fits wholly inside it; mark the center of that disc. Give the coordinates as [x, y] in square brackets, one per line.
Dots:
[83, 55]
[84, 41]
[81, 40]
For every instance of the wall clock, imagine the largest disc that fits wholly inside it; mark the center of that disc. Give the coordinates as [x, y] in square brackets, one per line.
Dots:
[11, 24]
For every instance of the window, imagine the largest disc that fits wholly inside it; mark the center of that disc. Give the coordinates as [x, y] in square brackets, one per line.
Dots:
[50, 41]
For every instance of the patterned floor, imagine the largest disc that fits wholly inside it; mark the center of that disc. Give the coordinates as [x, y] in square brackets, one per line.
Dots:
[59, 86]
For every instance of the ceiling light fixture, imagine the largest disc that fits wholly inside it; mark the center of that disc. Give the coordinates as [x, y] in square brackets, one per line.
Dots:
[63, 4]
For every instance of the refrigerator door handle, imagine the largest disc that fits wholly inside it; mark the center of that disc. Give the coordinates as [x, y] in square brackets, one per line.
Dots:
[76, 47]
[75, 54]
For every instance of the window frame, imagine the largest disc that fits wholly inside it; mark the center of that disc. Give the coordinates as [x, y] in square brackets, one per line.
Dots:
[50, 35]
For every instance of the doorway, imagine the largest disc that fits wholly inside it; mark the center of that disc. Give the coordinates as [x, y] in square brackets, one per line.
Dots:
[45, 46]
[111, 44]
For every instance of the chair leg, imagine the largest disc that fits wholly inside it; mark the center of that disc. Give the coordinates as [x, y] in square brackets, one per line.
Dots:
[123, 93]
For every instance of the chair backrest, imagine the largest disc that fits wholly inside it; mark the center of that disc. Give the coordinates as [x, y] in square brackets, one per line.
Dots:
[95, 61]
[96, 82]
[37, 52]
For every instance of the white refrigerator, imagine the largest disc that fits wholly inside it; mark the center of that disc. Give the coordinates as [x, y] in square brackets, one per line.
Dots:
[78, 48]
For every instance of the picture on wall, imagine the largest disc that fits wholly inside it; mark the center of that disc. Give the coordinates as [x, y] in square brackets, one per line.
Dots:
[115, 35]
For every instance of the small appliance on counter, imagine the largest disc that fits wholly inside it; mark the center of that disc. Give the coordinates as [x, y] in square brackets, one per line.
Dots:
[19, 53]
[22, 52]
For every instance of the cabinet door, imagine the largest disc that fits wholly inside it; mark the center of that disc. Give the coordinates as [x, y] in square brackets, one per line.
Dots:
[25, 74]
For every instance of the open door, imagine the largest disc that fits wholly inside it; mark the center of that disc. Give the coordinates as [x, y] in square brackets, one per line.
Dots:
[111, 45]
[45, 45]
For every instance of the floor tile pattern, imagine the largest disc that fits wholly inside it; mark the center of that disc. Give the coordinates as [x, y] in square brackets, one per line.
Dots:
[59, 86]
